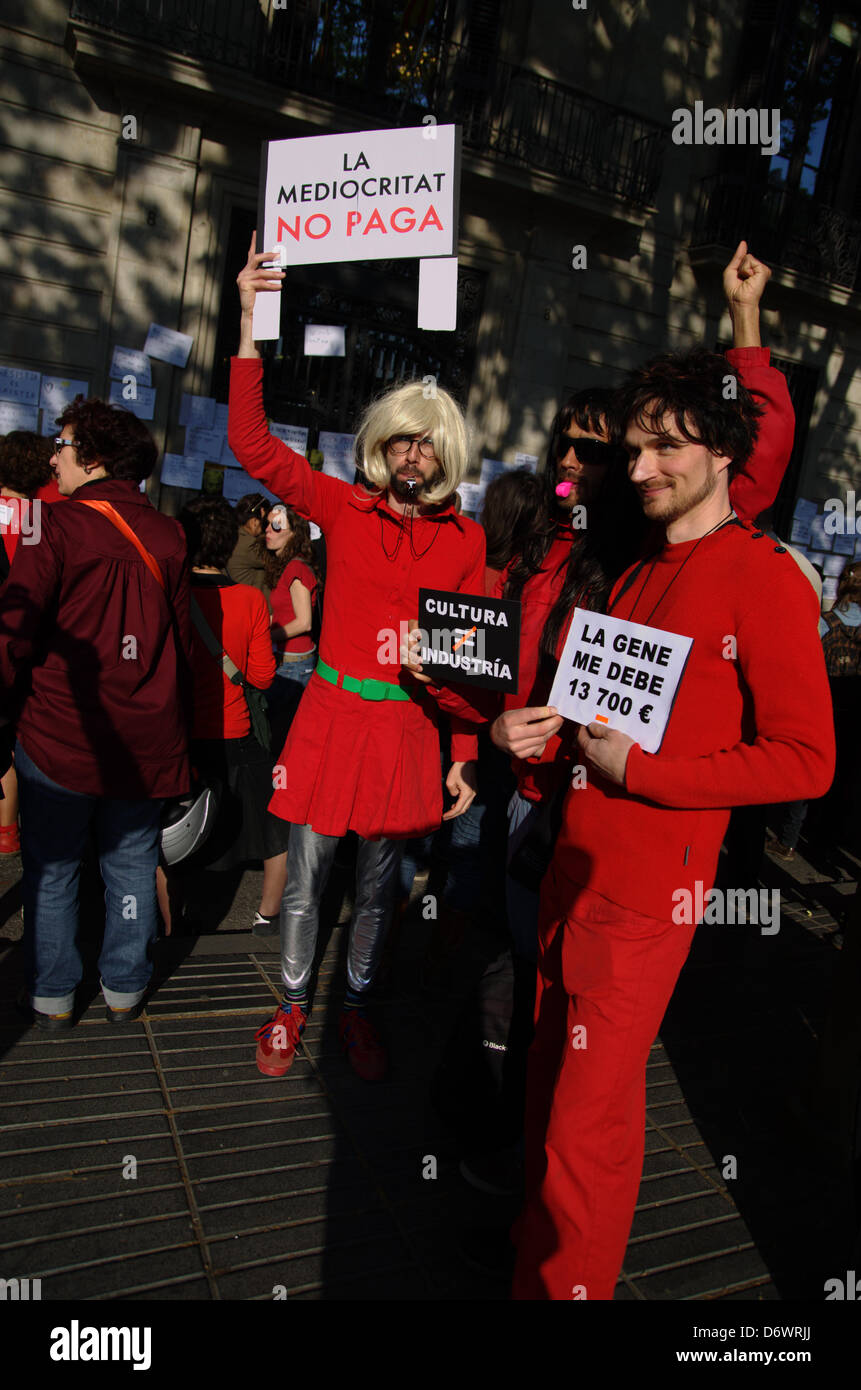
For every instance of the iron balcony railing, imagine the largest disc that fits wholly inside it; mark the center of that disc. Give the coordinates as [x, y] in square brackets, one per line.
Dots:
[784, 226]
[527, 120]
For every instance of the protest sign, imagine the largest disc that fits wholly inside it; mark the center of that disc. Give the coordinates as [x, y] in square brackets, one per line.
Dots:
[18, 384]
[204, 444]
[361, 196]
[57, 392]
[294, 435]
[15, 415]
[339, 454]
[324, 340]
[198, 411]
[469, 639]
[621, 674]
[168, 345]
[130, 362]
[140, 400]
[177, 471]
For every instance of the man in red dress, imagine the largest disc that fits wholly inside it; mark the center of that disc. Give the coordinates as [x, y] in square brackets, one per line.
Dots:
[751, 723]
[363, 750]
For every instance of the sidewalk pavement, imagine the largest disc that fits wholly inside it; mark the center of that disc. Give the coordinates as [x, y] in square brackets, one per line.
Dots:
[155, 1162]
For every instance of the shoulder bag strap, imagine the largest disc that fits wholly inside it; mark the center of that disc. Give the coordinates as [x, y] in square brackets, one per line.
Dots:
[113, 516]
[212, 644]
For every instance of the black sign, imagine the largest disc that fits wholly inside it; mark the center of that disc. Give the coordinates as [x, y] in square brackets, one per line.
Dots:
[469, 639]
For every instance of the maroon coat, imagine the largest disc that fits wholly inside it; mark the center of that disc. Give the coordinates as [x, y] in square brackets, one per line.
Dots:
[97, 653]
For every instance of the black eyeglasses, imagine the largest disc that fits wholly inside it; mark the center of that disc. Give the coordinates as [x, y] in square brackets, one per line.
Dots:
[402, 443]
[590, 451]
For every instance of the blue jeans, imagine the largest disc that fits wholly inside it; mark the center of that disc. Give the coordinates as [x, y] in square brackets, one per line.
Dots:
[55, 824]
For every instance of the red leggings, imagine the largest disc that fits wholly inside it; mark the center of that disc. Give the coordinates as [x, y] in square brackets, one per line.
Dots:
[605, 976]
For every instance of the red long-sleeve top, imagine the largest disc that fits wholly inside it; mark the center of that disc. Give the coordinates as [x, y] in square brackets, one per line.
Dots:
[372, 766]
[744, 730]
[239, 619]
[751, 491]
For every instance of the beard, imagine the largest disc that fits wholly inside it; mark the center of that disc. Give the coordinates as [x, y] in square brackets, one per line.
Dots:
[676, 507]
[414, 489]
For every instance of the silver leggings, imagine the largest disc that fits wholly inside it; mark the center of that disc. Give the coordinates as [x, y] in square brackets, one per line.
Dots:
[309, 859]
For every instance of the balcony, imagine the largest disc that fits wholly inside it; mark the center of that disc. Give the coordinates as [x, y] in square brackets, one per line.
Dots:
[785, 227]
[524, 119]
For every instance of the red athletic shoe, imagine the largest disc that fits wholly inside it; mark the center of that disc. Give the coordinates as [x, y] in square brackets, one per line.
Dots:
[277, 1039]
[361, 1042]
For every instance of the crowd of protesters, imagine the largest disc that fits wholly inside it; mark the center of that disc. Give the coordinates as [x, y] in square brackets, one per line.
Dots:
[152, 665]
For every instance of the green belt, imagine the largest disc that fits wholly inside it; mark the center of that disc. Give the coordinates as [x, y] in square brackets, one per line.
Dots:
[368, 689]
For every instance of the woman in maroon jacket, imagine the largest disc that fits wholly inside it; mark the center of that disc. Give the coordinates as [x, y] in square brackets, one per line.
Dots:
[94, 643]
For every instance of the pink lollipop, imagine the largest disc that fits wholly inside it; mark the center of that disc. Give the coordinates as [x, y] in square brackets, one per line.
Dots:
[563, 489]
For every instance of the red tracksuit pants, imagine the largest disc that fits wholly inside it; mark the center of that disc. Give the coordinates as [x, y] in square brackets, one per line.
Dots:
[605, 976]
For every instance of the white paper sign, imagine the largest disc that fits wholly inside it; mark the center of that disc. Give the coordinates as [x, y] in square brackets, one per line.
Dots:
[620, 673]
[197, 411]
[142, 403]
[800, 533]
[490, 469]
[845, 545]
[49, 424]
[239, 484]
[14, 415]
[178, 471]
[204, 444]
[804, 510]
[438, 294]
[294, 435]
[472, 497]
[57, 392]
[130, 362]
[339, 454]
[324, 340]
[17, 384]
[167, 345]
[528, 461]
[820, 539]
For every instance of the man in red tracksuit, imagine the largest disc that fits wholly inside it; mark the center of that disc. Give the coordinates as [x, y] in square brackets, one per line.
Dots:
[363, 750]
[751, 723]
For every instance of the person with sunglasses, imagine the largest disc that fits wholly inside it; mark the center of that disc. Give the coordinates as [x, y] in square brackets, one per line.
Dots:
[363, 751]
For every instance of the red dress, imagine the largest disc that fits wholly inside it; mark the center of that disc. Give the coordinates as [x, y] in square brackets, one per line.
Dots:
[356, 764]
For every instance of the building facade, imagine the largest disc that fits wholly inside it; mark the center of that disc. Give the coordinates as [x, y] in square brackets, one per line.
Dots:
[590, 235]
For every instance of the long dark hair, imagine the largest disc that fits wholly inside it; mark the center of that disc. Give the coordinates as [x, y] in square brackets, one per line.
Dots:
[514, 518]
[298, 547]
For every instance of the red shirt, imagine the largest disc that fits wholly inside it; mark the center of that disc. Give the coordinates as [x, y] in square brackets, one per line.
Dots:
[283, 611]
[367, 765]
[99, 650]
[239, 620]
[742, 732]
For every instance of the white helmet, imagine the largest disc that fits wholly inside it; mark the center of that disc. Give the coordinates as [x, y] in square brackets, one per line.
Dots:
[186, 824]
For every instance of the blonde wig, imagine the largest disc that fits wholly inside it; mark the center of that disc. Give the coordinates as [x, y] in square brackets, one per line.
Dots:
[404, 410]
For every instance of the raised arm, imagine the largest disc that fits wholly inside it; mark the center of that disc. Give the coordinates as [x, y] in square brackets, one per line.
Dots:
[756, 485]
[286, 473]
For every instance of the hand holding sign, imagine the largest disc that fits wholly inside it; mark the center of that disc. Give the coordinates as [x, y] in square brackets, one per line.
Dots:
[255, 276]
[606, 749]
[523, 733]
[411, 651]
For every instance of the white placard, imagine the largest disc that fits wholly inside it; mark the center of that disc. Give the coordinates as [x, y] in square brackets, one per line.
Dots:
[490, 469]
[197, 411]
[14, 415]
[339, 454]
[204, 444]
[804, 510]
[294, 435]
[845, 545]
[130, 362]
[820, 539]
[324, 340]
[472, 497]
[528, 461]
[168, 345]
[18, 384]
[438, 294]
[49, 424]
[800, 533]
[620, 673]
[142, 404]
[178, 471]
[228, 458]
[58, 391]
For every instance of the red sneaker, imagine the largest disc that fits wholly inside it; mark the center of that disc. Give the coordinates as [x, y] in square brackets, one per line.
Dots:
[361, 1042]
[277, 1040]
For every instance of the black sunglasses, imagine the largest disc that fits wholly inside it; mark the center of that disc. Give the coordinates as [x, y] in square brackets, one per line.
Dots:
[593, 451]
